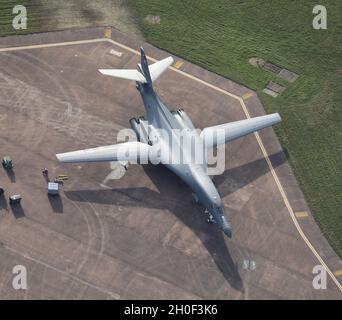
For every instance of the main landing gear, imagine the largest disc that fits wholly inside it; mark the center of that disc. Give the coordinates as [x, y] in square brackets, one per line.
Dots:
[211, 219]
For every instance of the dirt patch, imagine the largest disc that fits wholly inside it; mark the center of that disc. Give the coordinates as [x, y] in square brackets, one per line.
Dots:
[63, 14]
[257, 62]
[152, 19]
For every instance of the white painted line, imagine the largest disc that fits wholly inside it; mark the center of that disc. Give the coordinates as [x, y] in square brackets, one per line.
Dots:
[115, 53]
[51, 45]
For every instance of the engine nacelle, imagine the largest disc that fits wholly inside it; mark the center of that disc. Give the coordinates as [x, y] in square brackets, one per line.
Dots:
[140, 127]
[183, 119]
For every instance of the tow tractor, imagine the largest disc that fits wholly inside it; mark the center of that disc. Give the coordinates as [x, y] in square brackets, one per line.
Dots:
[7, 162]
[15, 199]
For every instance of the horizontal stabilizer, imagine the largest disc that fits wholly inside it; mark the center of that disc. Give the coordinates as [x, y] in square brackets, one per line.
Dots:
[129, 151]
[145, 73]
[156, 69]
[129, 74]
[220, 134]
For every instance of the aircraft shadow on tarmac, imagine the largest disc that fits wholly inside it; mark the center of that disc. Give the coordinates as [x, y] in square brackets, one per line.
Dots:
[247, 173]
[176, 197]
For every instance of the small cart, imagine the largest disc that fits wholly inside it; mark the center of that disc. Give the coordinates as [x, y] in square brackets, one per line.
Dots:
[53, 188]
[15, 199]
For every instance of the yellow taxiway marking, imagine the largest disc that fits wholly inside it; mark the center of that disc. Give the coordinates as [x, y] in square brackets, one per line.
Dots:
[338, 273]
[247, 95]
[178, 64]
[245, 110]
[301, 214]
[108, 33]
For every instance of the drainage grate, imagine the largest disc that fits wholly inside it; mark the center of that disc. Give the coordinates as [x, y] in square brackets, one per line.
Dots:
[272, 67]
[288, 75]
[273, 89]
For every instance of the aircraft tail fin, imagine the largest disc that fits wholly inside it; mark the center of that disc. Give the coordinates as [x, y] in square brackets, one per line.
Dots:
[143, 66]
[145, 73]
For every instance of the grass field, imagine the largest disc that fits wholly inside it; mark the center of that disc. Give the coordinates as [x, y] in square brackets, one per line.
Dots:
[34, 15]
[221, 36]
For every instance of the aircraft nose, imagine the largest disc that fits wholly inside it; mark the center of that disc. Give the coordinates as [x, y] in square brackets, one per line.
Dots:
[228, 231]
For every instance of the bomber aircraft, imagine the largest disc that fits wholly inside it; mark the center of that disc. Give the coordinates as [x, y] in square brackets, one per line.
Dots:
[159, 139]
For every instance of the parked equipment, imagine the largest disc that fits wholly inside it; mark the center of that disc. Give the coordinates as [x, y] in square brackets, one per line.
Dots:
[53, 188]
[59, 181]
[15, 199]
[63, 177]
[7, 162]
